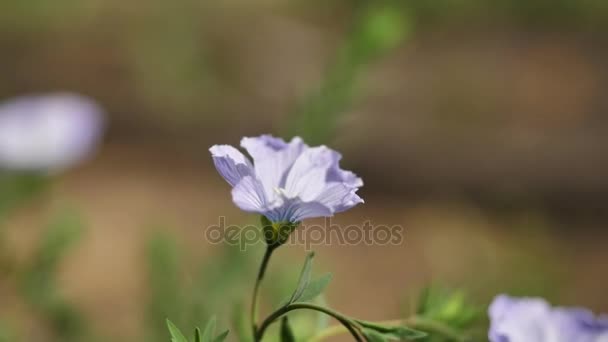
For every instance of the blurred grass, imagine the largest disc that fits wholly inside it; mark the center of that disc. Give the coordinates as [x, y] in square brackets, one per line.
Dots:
[39, 281]
[377, 29]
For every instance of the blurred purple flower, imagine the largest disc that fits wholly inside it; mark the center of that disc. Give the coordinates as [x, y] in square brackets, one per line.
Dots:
[48, 133]
[288, 182]
[534, 320]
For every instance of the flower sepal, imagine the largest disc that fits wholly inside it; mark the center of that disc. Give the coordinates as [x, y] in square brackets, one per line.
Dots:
[277, 233]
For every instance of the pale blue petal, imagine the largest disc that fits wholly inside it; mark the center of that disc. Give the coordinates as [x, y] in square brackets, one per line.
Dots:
[336, 174]
[307, 177]
[248, 195]
[295, 210]
[231, 163]
[339, 197]
[533, 319]
[308, 210]
[48, 132]
[273, 158]
[288, 182]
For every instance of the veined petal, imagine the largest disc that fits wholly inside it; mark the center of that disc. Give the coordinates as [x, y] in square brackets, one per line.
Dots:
[533, 319]
[231, 163]
[308, 210]
[336, 174]
[288, 182]
[339, 197]
[273, 158]
[295, 210]
[307, 177]
[249, 195]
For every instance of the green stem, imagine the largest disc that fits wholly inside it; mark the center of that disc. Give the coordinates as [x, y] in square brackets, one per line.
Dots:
[345, 321]
[415, 321]
[254, 300]
[435, 326]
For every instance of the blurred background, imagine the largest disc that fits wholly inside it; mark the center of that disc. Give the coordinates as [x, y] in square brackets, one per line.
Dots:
[478, 126]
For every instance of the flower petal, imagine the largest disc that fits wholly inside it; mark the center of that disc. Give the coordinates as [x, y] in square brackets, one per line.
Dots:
[273, 158]
[336, 174]
[231, 163]
[339, 197]
[295, 210]
[248, 195]
[533, 319]
[48, 132]
[308, 210]
[307, 177]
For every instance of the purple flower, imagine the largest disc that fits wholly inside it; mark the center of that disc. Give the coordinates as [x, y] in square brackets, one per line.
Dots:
[287, 182]
[48, 133]
[534, 320]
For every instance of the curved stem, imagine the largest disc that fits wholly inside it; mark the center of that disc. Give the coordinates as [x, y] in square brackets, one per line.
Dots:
[415, 321]
[256, 288]
[438, 327]
[297, 306]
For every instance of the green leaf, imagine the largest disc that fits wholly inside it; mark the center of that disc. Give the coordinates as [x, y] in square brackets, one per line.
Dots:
[197, 335]
[209, 330]
[396, 333]
[373, 336]
[322, 319]
[304, 279]
[450, 307]
[176, 334]
[166, 297]
[315, 288]
[39, 279]
[286, 332]
[221, 337]
[240, 322]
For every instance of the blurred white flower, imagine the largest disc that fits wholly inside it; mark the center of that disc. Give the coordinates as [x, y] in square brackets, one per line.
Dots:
[48, 133]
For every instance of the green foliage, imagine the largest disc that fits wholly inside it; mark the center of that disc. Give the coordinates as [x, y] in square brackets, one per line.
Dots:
[176, 334]
[163, 278]
[208, 335]
[17, 189]
[315, 288]
[307, 290]
[39, 284]
[287, 334]
[188, 301]
[6, 335]
[209, 330]
[304, 279]
[450, 308]
[380, 332]
[240, 323]
[377, 30]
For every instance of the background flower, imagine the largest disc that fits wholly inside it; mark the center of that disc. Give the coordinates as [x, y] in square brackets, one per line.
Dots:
[48, 133]
[288, 182]
[533, 319]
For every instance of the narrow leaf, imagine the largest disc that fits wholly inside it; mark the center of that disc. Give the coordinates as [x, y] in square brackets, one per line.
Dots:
[197, 335]
[240, 322]
[304, 278]
[286, 332]
[315, 288]
[176, 334]
[393, 332]
[209, 330]
[373, 335]
[221, 337]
